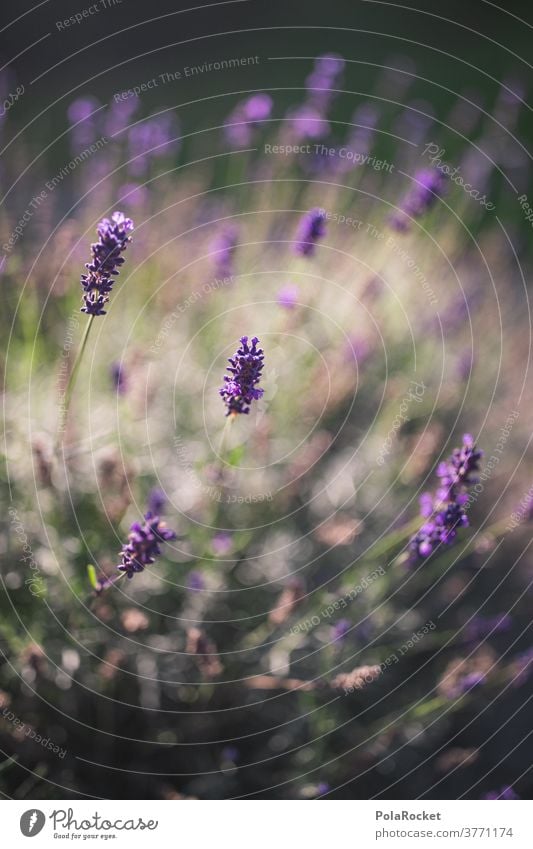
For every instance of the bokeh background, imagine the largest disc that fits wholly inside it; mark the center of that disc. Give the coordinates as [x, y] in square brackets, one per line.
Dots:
[215, 672]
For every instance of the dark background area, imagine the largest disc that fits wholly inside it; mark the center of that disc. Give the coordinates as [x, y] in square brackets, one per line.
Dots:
[456, 47]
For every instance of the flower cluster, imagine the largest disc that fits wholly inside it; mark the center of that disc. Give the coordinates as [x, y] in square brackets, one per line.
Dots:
[311, 228]
[429, 186]
[143, 546]
[446, 512]
[113, 239]
[245, 370]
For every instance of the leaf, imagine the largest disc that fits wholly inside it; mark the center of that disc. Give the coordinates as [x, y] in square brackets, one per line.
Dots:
[235, 456]
[91, 572]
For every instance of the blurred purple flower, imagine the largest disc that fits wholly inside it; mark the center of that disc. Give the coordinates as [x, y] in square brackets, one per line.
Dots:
[323, 79]
[522, 667]
[358, 349]
[118, 115]
[221, 543]
[152, 138]
[113, 240]
[340, 629]
[144, 544]
[365, 119]
[83, 122]
[306, 122]
[156, 501]
[223, 247]
[195, 581]
[311, 228]
[429, 186]
[241, 124]
[288, 296]
[506, 792]
[118, 377]
[133, 193]
[245, 370]
[482, 626]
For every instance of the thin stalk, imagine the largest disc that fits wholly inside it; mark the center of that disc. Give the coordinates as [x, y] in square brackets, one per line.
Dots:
[72, 382]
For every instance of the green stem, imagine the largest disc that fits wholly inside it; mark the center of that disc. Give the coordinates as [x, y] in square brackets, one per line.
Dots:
[72, 382]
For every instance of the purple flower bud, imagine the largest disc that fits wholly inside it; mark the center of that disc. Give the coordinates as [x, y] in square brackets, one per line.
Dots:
[307, 122]
[429, 186]
[223, 248]
[340, 629]
[195, 581]
[245, 118]
[118, 377]
[506, 792]
[81, 115]
[288, 296]
[156, 501]
[311, 228]
[221, 544]
[144, 544]
[482, 626]
[245, 370]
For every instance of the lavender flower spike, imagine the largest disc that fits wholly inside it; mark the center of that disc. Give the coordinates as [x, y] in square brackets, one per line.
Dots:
[143, 546]
[429, 186]
[446, 513]
[113, 239]
[245, 370]
[312, 227]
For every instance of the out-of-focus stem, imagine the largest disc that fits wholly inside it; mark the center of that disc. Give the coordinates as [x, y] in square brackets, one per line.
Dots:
[72, 382]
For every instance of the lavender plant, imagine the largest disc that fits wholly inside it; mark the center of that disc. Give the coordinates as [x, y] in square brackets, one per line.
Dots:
[288, 595]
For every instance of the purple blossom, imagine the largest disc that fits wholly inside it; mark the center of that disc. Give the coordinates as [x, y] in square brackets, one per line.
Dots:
[223, 248]
[505, 792]
[195, 581]
[81, 115]
[365, 120]
[143, 546]
[446, 512]
[340, 629]
[311, 228]
[118, 377]
[98, 282]
[221, 544]
[119, 114]
[135, 194]
[469, 682]
[246, 117]
[429, 186]
[245, 370]
[156, 501]
[288, 296]
[482, 626]
[149, 139]
[307, 122]
[323, 78]
[357, 348]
